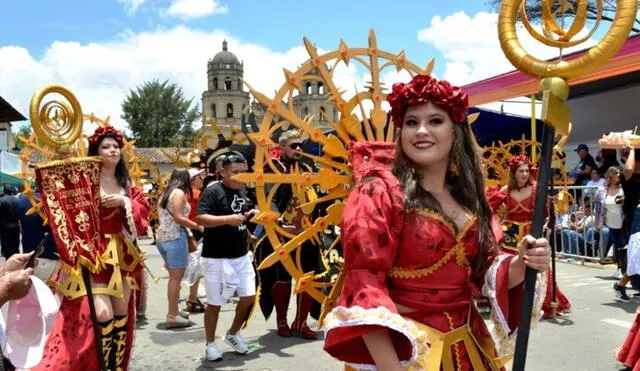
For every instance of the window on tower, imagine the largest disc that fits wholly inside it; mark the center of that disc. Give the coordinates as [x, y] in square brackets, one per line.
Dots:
[227, 83]
[305, 111]
[239, 84]
[215, 83]
[323, 114]
[308, 88]
[229, 110]
[213, 110]
[320, 88]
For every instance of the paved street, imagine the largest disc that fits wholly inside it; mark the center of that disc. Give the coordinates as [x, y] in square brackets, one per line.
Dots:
[583, 340]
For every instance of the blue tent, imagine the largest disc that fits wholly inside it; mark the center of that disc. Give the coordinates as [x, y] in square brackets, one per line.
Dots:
[493, 126]
[490, 127]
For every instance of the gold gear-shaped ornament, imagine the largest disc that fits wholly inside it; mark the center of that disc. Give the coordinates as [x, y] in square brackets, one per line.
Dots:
[496, 160]
[361, 118]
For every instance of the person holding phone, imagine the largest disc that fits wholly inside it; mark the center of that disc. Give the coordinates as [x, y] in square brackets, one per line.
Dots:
[34, 231]
[15, 284]
[608, 211]
[227, 262]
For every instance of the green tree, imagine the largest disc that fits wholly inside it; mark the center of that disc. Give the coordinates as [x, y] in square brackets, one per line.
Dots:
[159, 115]
[23, 131]
[534, 10]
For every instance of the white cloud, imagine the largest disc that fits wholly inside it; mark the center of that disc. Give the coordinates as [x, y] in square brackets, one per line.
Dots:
[101, 74]
[131, 6]
[472, 51]
[195, 8]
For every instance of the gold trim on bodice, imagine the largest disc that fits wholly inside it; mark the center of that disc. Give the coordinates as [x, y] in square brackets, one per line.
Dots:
[457, 250]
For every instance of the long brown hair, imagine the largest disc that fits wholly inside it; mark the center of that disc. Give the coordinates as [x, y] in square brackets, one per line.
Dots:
[465, 185]
[180, 179]
[122, 172]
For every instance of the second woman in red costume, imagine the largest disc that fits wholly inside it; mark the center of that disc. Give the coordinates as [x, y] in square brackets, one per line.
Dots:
[518, 199]
[123, 213]
[417, 238]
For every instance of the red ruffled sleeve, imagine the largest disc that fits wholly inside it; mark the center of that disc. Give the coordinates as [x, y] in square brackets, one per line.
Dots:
[137, 211]
[371, 225]
[496, 198]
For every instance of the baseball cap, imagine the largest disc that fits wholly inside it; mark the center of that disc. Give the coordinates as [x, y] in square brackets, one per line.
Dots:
[581, 147]
[28, 322]
[195, 172]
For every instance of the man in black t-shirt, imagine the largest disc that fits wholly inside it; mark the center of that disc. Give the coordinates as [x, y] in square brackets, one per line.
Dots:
[582, 172]
[631, 188]
[227, 263]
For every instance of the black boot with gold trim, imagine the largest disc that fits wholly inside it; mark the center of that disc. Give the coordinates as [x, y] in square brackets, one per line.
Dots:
[106, 333]
[119, 343]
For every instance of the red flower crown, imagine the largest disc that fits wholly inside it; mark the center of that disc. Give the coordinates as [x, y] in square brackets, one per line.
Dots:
[516, 161]
[102, 131]
[423, 89]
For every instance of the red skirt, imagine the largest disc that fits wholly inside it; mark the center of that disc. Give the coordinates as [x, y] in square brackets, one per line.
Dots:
[629, 353]
[563, 302]
[71, 345]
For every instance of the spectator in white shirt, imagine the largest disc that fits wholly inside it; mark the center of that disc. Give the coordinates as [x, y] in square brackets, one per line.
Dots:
[609, 213]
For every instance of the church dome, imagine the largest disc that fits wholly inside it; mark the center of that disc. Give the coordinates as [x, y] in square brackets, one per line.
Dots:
[225, 56]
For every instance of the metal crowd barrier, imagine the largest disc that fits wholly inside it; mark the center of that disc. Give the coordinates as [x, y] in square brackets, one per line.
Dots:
[575, 235]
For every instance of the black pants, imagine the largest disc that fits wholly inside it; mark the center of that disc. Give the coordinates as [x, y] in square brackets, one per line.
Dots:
[10, 241]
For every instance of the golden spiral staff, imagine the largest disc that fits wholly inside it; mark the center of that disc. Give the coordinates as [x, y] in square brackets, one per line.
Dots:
[594, 58]
[57, 123]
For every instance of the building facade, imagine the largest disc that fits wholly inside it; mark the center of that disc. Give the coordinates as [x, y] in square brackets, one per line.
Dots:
[225, 100]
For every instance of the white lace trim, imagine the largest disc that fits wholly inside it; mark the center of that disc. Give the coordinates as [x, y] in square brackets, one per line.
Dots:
[381, 316]
[500, 330]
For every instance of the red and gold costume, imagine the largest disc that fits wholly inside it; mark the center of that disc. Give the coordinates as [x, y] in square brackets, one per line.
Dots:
[629, 353]
[72, 344]
[517, 217]
[416, 259]
[102, 241]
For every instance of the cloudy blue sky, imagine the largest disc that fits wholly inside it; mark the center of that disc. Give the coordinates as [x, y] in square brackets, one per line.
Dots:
[101, 49]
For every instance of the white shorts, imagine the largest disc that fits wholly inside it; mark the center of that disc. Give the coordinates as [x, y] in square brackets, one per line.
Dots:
[223, 277]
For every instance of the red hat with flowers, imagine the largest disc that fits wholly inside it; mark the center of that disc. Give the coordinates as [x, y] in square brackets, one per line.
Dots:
[104, 131]
[518, 160]
[424, 89]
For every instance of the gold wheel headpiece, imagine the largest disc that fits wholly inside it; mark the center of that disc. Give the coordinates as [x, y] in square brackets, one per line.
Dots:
[359, 115]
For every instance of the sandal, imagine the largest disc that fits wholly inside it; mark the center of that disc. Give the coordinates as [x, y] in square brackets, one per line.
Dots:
[177, 322]
[195, 306]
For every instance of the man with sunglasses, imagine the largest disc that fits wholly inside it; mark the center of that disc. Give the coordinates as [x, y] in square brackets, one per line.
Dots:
[276, 281]
[227, 262]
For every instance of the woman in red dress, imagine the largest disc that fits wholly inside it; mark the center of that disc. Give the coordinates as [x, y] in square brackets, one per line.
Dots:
[518, 198]
[629, 353]
[417, 238]
[123, 216]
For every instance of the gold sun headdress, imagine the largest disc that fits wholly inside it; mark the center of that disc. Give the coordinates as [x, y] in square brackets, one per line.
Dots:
[360, 117]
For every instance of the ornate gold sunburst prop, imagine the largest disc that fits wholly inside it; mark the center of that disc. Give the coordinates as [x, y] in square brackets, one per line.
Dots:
[497, 156]
[362, 117]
